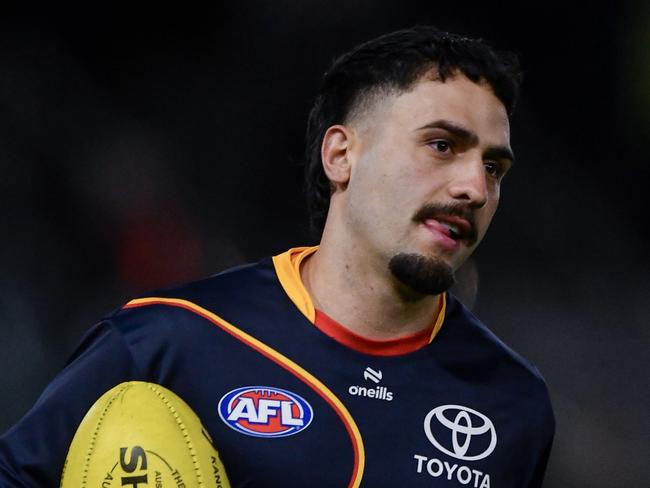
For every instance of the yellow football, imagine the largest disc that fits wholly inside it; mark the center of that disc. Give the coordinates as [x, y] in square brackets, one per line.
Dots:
[141, 435]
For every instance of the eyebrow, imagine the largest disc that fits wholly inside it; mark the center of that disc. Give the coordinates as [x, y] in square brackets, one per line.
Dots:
[470, 137]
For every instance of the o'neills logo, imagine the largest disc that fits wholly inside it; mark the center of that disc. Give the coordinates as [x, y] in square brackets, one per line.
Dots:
[378, 392]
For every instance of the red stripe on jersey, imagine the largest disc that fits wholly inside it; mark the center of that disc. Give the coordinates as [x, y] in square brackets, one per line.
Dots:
[389, 347]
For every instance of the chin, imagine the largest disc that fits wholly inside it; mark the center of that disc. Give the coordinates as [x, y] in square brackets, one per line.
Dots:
[425, 275]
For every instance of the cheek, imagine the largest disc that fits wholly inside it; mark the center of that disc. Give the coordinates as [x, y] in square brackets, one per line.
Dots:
[365, 195]
[379, 202]
[374, 178]
[399, 193]
[389, 184]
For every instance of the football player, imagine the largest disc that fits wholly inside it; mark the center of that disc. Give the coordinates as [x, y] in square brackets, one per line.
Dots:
[349, 363]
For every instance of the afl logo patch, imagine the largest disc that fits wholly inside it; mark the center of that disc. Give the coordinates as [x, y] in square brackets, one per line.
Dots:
[264, 411]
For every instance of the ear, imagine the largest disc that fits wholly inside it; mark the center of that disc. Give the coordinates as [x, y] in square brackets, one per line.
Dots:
[335, 154]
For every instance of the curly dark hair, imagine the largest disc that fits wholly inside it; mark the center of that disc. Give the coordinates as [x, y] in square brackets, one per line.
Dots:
[393, 63]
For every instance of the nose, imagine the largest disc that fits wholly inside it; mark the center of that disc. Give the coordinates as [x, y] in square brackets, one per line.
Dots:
[470, 184]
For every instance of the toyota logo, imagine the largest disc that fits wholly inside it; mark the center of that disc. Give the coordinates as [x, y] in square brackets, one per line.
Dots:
[464, 424]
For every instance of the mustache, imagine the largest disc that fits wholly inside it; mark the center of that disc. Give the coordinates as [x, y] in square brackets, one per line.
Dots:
[435, 210]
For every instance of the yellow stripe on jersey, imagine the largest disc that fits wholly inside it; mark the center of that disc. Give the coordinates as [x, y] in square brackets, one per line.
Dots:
[442, 311]
[283, 361]
[287, 267]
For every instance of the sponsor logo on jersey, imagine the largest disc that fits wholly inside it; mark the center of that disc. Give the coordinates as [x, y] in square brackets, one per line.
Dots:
[461, 433]
[265, 411]
[472, 434]
[377, 392]
[452, 471]
[372, 375]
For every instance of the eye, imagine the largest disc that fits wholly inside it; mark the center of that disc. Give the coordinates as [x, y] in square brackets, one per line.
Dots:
[493, 168]
[441, 146]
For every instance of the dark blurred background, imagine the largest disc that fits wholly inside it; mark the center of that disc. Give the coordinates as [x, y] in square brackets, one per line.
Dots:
[146, 145]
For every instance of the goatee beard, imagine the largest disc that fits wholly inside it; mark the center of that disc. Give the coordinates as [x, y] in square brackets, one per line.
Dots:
[423, 275]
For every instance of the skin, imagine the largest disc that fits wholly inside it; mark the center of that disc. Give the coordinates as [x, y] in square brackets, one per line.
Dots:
[401, 154]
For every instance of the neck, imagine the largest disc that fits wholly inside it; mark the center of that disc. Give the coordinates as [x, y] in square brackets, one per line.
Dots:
[364, 297]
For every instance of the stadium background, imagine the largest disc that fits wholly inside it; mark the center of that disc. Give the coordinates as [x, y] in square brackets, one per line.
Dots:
[147, 145]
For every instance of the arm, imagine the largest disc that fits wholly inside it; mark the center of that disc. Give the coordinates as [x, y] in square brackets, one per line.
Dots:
[32, 452]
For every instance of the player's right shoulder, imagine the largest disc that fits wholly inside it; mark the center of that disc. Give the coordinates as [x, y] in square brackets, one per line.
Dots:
[180, 311]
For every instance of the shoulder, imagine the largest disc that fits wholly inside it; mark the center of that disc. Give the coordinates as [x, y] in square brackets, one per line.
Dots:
[232, 288]
[166, 325]
[490, 355]
[171, 309]
[237, 281]
[248, 297]
[473, 333]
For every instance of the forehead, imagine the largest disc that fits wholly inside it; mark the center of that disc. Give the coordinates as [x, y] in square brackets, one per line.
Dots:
[457, 99]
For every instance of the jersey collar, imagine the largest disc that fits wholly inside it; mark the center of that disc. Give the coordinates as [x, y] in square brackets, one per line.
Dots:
[287, 268]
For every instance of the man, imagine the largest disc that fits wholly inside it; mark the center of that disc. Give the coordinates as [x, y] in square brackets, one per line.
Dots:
[348, 364]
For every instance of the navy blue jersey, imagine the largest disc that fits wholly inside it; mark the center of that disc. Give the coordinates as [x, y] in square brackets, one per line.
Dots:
[289, 406]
